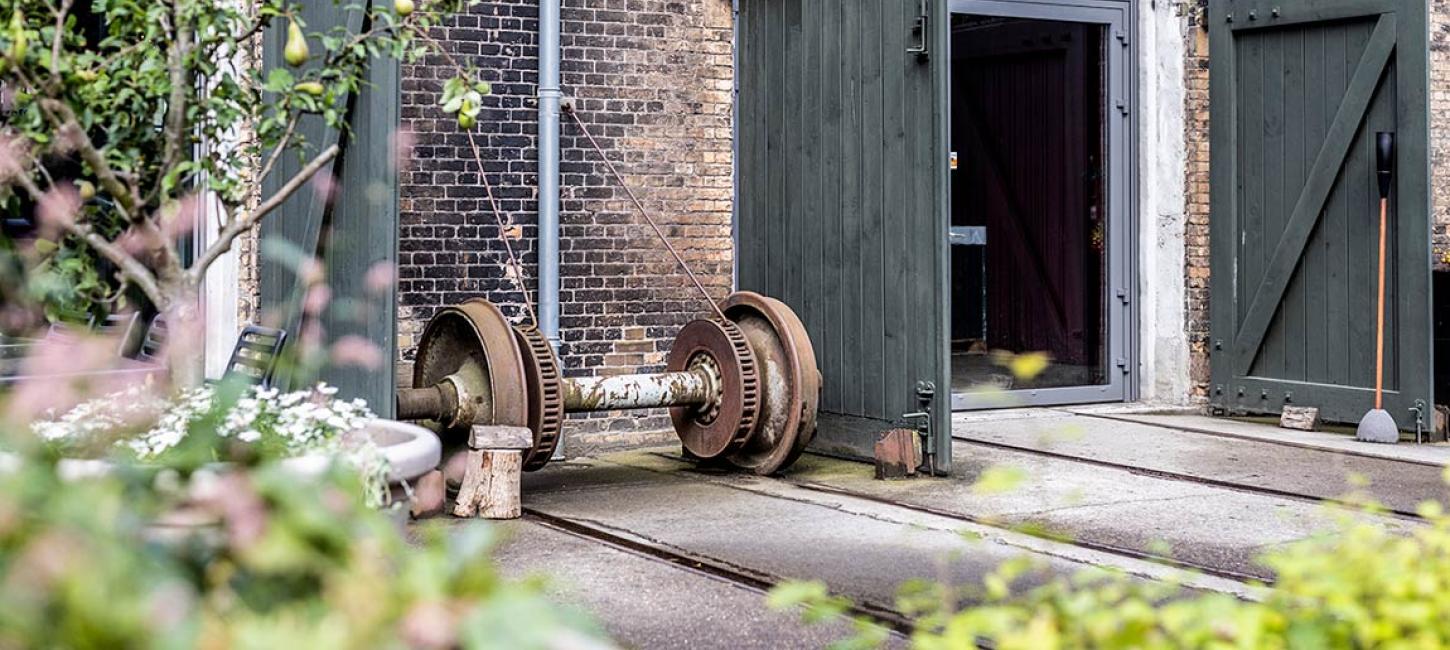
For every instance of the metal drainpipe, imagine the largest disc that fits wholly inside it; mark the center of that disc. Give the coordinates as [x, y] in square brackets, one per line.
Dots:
[549, 94]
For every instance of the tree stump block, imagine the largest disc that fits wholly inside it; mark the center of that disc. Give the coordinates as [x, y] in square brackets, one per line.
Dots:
[898, 454]
[491, 485]
[1302, 418]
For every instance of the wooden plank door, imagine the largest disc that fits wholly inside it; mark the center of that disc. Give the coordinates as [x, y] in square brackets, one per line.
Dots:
[841, 199]
[1299, 90]
[352, 233]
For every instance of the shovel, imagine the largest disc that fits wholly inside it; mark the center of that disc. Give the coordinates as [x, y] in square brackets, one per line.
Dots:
[1377, 425]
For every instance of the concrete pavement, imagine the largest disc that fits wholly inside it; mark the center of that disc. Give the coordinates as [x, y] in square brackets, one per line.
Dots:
[829, 520]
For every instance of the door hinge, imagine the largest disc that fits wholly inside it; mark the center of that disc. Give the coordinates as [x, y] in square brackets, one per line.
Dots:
[1124, 296]
[1122, 364]
[1122, 37]
[920, 30]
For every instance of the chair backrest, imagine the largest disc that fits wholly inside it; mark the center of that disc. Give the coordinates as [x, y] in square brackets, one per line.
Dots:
[254, 359]
[153, 346]
[62, 332]
[121, 327]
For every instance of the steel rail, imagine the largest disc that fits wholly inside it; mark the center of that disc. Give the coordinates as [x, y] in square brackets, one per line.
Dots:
[1111, 549]
[1100, 547]
[885, 617]
[1190, 478]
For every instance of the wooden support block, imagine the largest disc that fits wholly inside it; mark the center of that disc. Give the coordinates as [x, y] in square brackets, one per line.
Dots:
[500, 437]
[1303, 418]
[1442, 421]
[491, 488]
[898, 454]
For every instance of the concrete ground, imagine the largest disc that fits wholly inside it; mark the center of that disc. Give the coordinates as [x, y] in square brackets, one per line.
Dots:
[670, 555]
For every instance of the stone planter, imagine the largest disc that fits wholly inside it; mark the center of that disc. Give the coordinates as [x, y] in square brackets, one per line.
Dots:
[411, 450]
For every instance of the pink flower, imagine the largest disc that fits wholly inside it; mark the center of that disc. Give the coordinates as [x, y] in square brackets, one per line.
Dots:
[379, 277]
[353, 350]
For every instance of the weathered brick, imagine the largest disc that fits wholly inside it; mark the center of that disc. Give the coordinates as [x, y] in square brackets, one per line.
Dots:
[652, 79]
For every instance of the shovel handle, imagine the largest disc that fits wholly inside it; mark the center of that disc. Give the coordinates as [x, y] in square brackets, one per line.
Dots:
[1384, 173]
[1379, 332]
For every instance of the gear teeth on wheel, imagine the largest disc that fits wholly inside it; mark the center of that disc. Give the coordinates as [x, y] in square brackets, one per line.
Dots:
[750, 387]
[546, 409]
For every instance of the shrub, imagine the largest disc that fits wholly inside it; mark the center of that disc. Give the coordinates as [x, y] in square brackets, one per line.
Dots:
[1360, 587]
[248, 559]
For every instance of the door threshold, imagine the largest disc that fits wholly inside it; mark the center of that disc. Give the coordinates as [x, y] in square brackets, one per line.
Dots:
[1106, 408]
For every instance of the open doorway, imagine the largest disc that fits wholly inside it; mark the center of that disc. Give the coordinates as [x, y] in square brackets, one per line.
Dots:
[1038, 262]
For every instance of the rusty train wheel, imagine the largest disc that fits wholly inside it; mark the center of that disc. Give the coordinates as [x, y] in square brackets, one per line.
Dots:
[545, 396]
[789, 378]
[475, 342]
[723, 349]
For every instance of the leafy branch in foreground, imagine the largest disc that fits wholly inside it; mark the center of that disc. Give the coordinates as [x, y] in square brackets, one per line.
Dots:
[1364, 586]
[104, 125]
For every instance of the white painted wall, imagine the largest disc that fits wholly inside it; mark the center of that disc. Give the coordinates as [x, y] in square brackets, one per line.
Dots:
[1164, 352]
[218, 295]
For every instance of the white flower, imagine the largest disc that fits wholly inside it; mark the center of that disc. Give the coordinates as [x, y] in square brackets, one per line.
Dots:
[307, 421]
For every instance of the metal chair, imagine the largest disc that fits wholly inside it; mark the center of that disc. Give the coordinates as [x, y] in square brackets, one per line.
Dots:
[120, 326]
[153, 345]
[254, 359]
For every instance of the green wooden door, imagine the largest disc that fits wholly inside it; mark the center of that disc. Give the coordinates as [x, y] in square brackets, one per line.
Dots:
[841, 199]
[351, 234]
[1299, 90]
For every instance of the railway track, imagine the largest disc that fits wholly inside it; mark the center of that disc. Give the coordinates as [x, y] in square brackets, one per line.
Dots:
[740, 576]
[1111, 549]
[1182, 477]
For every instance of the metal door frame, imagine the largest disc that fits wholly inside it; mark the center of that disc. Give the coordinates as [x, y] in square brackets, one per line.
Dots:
[1116, 17]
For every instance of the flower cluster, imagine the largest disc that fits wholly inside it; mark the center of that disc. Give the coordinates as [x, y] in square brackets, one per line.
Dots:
[277, 424]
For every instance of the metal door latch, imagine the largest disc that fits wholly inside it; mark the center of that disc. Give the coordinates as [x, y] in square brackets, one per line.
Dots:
[1419, 410]
[925, 394]
[920, 31]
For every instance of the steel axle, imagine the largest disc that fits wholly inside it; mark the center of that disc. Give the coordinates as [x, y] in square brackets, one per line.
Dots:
[743, 389]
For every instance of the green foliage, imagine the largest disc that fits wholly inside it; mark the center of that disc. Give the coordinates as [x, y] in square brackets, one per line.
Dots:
[1361, 587]
[121, 114]
[254, 559]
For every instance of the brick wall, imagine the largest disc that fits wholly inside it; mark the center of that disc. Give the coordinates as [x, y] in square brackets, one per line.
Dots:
[653, 80]
[1196, 233]
[1440, 129]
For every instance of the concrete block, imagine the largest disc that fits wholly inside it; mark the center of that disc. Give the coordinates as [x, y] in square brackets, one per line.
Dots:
[1303, 418]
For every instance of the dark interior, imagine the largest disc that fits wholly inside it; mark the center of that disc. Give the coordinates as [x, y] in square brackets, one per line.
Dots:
[1029, 229]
